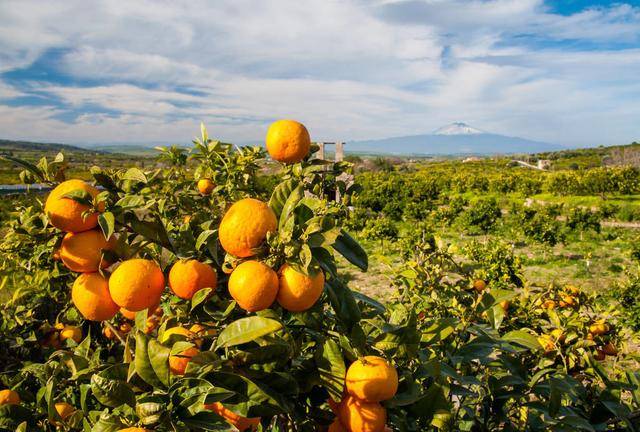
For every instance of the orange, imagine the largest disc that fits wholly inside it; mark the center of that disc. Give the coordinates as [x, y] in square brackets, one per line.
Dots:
[505, 304]
[82, 252]
[71, 332]
[568, 300]
[109, 333]
[190, 276]
[66, 213]
[599, 328]
[298, 292]
[64, 410]
[200, 330]
[178, 363]
[245, 226]
[125, 328]
[572, 289]
[205, 186]
[131, 315]
[134, 429]
[241, 423]
[137, 284]
[90, 295]
[361, 416]
[9, 397]
[372, 379]
[479, 285]
[549, 304]
[288, 141]
[253, 285]
[336, 426]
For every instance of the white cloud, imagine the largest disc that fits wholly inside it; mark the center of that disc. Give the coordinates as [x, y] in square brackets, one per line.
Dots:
[349, 69]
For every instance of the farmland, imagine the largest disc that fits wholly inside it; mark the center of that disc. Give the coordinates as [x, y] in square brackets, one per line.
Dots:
[492, 296]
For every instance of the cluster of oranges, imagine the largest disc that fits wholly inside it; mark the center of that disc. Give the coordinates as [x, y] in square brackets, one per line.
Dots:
[369, 381]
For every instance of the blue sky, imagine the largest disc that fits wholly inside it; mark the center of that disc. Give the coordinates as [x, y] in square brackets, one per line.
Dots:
[562, 71]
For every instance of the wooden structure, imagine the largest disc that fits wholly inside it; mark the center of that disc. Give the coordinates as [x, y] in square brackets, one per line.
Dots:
[338, 157]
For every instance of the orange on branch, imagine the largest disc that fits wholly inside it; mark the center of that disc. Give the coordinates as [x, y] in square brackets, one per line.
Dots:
[253, 285]
[137, 284]
[241, 423]
[245, 226]
[82, 252]
[288, 141]
[9, 397]
[71, 332]
[90, 295]
[190, 276]
[66, 213]
[372, 379]
[298, 292]
[64, 410]
[205, 186]
[360, 416]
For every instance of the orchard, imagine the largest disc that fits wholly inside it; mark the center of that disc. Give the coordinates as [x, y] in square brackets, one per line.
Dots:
[207, 295]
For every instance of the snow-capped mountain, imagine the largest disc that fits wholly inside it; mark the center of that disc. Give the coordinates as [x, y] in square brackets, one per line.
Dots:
[454, 139]
[457, 128]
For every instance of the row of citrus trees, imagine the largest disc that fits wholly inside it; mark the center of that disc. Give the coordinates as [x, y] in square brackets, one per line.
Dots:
[172, 300]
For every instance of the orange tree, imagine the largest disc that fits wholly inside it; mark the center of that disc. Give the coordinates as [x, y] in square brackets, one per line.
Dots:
[209, 300]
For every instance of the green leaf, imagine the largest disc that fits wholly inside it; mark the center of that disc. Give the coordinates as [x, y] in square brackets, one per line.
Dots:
[110, 387]
[108, 422]
[433, 402]
[203, 237]
[331, 368]
[346, 246]
[523, 338]
[107, 223]
[27, 165]
[343, 302]
[135, 174]
[79, 195]
[144, 369]
[159, 358]
[246, 330]
[289, 206]
[280, 195]
[201, 296]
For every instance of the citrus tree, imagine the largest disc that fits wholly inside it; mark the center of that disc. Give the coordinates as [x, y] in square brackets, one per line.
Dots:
[206, 294]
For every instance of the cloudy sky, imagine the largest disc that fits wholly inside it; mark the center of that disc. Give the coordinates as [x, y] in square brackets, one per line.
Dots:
[562, 71]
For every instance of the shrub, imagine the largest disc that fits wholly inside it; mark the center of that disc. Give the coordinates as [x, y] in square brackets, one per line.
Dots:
[481, 215]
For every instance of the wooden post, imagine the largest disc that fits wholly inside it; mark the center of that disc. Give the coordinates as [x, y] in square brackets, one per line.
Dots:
[321, 151]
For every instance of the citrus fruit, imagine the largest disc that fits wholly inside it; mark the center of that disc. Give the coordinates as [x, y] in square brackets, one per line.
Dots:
[66, 213]
[336, 426]
[137, 284]
[288, 141]
[547, 343]
[241, 423]
[71, 332]
[190, 276]
[372, 379]
[64, 410]
[178, 362]
[9, 397]
[134, 429]
[599, 328]
[245, 226]
[361, 416]
[253, 285]
[205, 186]
[82, 252]
[298, 292]
[90, 295]
[479, 285]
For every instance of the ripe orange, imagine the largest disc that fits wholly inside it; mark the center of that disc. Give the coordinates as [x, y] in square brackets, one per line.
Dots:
[253, 285]
[82, 252]
[90, 295]
[205, 186]
[372, 379]
[109, 333]
[298, 292]
[288, 141]
[134, 429]
[64, 410]
[66, 213]
[505, 304]
[178, 363]
[71, 332]
[479, 285]
[361, 416]
[190, 276]
[131, 315]
[549, 304]
[202, 331]
[241, 423]
[137, 284]
[336, 426]
[599, 328]
[245, 226]
[9, 397]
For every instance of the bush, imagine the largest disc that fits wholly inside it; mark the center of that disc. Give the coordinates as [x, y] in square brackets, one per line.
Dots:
[481, 215]
[380, 229]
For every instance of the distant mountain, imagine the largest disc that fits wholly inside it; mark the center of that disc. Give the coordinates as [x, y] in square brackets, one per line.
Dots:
[13, 145]
[453, 139]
